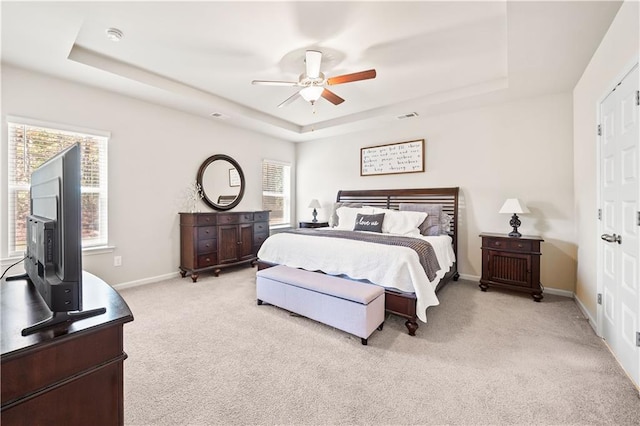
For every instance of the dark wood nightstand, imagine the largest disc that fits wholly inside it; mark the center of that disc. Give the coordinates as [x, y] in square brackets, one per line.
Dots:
[512, 263]
[314, 224]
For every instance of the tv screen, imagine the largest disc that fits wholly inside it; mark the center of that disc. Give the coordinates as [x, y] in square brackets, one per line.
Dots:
[54, 235]
[53, 260]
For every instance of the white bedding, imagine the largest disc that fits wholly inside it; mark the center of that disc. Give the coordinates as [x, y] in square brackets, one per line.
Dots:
[388, 266]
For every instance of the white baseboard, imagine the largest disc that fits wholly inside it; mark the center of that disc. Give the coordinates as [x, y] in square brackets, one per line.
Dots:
[587, 315]
[470, 277]
[556, 291]
[559, 292]
[144, 281]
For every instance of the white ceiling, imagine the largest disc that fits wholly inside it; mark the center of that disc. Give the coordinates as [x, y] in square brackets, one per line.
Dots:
[201, 57]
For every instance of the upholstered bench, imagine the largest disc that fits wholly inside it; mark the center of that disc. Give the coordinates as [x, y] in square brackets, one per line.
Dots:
[351, 306]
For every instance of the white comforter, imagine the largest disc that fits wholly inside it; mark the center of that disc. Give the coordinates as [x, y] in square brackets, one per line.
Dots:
[388, 266]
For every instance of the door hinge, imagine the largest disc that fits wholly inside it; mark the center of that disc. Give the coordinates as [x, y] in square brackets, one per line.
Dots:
[638, 218]
[599, 130]
[599, 298]
[599, 214]
[638, 97]
[638, 338]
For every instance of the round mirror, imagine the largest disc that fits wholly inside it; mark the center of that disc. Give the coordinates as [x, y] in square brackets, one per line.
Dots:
[222, 182]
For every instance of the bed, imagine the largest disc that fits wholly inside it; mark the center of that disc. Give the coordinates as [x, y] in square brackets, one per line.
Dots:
[411, 291]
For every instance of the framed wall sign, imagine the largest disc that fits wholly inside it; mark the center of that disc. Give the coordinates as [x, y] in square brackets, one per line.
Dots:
[401, 157]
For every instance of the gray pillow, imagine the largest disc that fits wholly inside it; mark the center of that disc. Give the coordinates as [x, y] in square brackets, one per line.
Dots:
[333, 219]
[369, 222]
[431, 225]
[445, 223]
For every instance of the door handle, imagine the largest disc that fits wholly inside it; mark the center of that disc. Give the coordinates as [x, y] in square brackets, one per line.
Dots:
[612, 238]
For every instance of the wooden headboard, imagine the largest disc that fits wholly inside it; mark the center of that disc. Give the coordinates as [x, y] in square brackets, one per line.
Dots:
[391, 199]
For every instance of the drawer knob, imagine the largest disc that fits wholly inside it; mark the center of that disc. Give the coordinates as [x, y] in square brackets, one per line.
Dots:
[520, 245]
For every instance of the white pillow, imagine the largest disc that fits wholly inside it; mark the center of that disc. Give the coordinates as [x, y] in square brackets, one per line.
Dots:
[401, 222]
[347, 216]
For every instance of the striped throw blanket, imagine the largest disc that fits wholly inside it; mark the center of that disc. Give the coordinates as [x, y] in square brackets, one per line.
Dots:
[424, 250]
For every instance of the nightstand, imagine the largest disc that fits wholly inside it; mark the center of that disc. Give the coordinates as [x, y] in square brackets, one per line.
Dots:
[314, 224]
[512, 263]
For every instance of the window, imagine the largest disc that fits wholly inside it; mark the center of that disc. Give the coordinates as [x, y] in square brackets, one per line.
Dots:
[30, 145]
[276, 191]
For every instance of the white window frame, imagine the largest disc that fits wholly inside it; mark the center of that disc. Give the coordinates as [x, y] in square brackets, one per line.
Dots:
[103, 139]
[286, 194]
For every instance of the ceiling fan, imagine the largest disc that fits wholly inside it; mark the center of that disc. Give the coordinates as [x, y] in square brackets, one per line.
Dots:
[313, 81]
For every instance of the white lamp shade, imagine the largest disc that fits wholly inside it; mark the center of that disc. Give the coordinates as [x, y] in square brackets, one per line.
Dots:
[513, 205]
[314, 204]
[312, 93]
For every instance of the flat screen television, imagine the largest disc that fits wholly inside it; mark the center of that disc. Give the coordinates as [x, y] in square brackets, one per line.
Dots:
[53, 261]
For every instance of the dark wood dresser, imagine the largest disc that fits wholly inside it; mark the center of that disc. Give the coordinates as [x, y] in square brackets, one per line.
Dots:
[512, 263]
[215, 240]
[70, 373]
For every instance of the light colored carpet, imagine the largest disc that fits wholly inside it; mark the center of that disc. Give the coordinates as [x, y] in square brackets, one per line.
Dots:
[205, 353]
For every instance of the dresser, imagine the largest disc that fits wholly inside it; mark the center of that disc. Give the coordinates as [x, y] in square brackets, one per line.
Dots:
[215, 240]
[69, 374]
[512, 263]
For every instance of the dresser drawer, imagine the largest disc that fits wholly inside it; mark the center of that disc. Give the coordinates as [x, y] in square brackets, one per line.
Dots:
[519, 245]
[511, 244]
[206, 219]
[207, 260]
[245, 217]
[261, 228]
[261, 217]
[258, 239]
[207, 246]
[206, 232]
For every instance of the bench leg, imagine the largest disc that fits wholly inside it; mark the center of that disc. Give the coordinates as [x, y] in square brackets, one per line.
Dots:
[364, 341]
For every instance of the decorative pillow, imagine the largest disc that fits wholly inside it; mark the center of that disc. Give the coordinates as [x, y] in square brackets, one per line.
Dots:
[369, 222]
[333, 219]
[445, 223]
[431, 225]
[400, 223]
[347, 216]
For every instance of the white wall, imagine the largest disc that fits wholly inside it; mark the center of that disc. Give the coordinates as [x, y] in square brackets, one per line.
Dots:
[154, 155]
[615, 56]
[520, 149]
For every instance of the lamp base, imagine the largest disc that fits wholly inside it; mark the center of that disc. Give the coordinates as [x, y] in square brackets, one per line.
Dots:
[515, 222]
[315, 216]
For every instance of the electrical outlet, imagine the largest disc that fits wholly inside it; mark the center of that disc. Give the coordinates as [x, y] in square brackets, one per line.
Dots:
[117, 260]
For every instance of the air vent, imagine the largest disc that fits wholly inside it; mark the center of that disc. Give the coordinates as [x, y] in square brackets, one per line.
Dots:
[219, 115]
[409, 115]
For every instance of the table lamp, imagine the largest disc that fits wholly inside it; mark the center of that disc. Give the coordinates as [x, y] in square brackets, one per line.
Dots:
[514, 206]
[315, 205]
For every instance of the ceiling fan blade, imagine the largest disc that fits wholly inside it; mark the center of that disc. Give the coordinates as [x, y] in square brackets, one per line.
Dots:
[332, 97]
[289, 100]
[356, 76]
[274, 83]
[312, 59]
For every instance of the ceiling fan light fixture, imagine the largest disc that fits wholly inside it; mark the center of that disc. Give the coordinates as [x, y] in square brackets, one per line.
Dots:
[312, 93]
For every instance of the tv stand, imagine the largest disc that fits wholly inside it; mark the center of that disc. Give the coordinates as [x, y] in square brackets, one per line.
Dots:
[17, 277]
[59, 317]
[69, 374]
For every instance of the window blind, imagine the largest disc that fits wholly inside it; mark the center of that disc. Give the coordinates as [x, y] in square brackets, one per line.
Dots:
[276, 191]
[30, 146]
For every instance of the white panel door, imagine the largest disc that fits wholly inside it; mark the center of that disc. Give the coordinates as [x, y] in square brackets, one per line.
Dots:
[619, 194]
